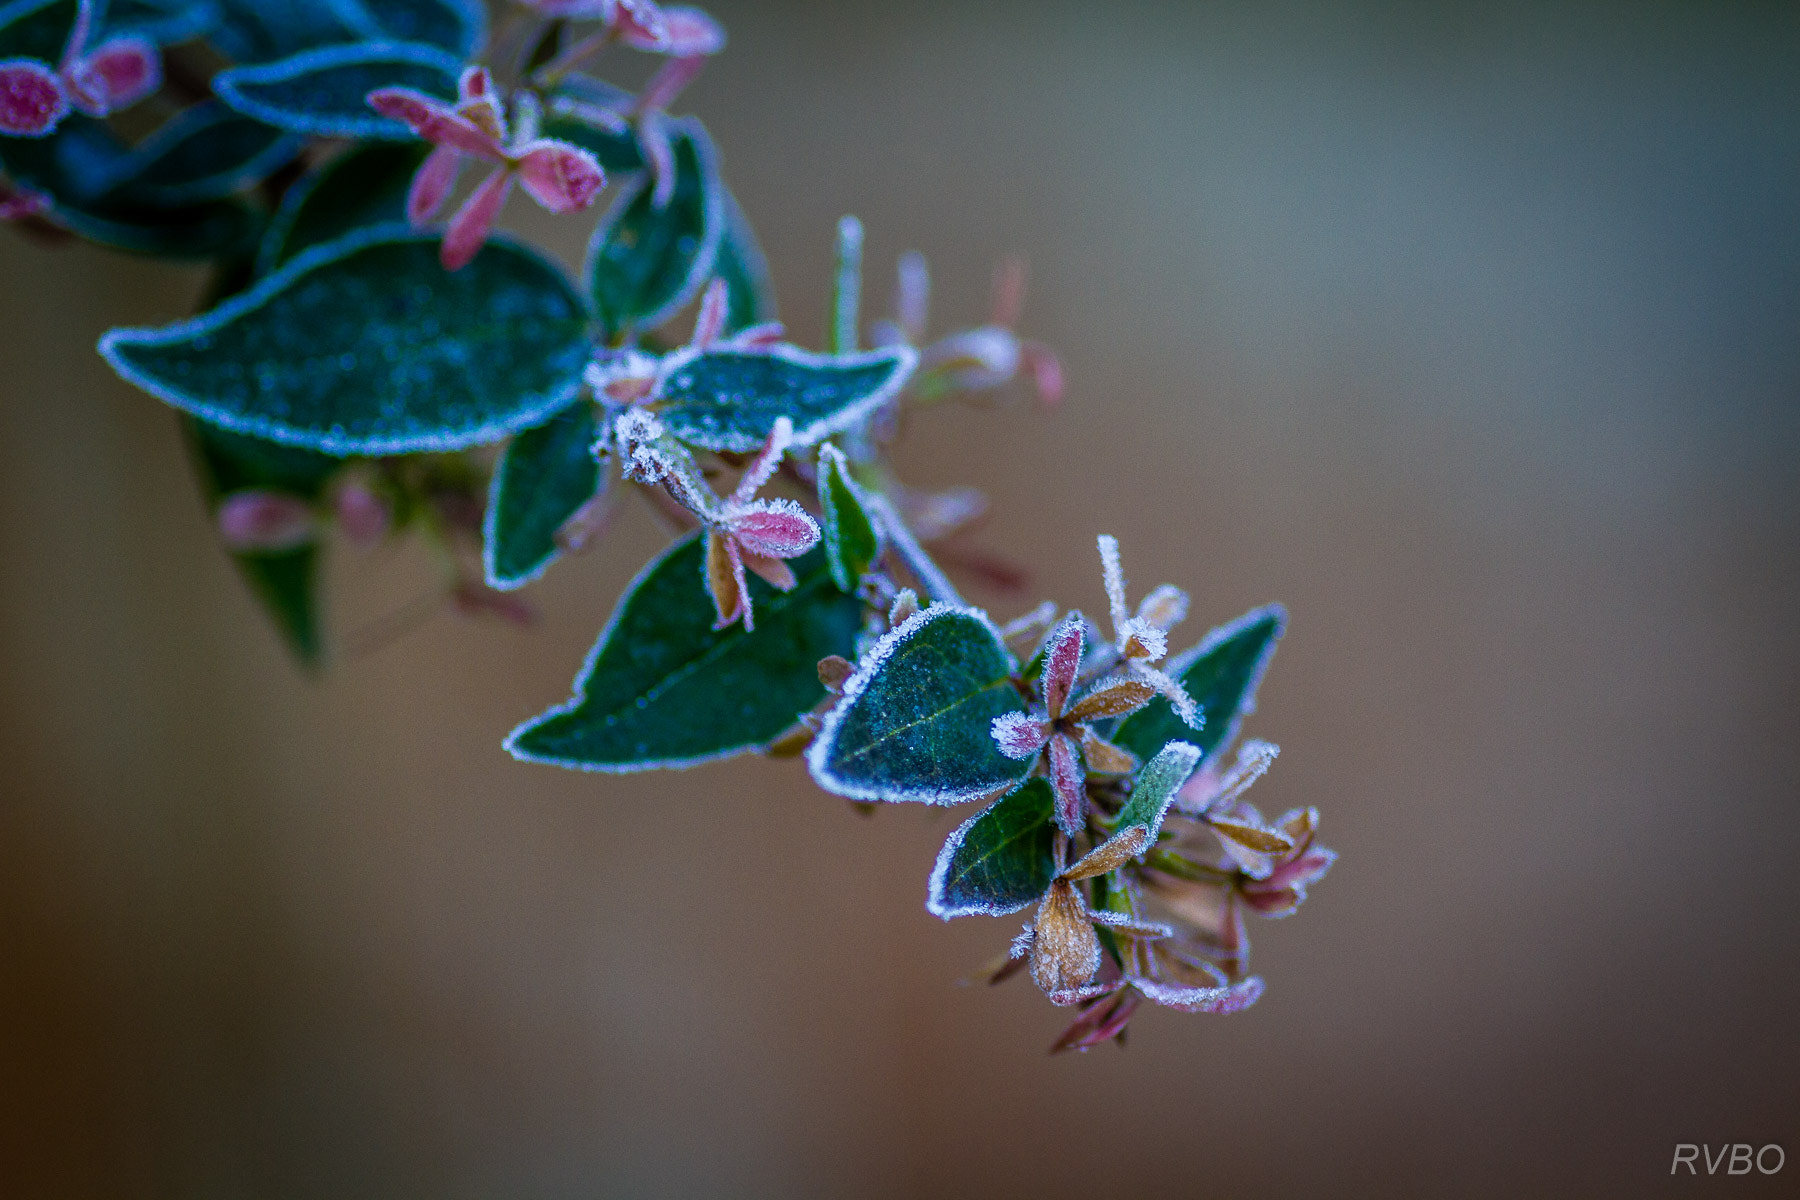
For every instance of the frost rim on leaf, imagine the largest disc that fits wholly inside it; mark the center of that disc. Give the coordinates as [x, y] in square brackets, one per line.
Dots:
[228, 86]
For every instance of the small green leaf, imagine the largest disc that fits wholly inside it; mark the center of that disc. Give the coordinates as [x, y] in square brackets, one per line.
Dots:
[454, 25]
[846, 292]
[286, 581]
[260, 30]
[1221, 674]
[1000, 860]
[851, 543]
[367, 345]
[749, 292]
[645, 262]
[364, 186]
[1154, 788]
[730, 399]
[165, 22]
[323, 91]
[663, 688]
[205, 153]
[36, 28]
[543, 478]
[915, 720]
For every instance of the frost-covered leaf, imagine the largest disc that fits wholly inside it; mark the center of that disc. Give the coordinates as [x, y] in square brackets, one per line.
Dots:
[286, 582]
[645, 261]
[260, 30]
[730, 399]
[543, 479]
[323, 91]
[750, 294]
[850, 539]
[1000, 860]
[1221, 674]
[663, 688]
[368, 346]
[364, 186]
[914, 721]
[1155, 786]
[206, 153]
[164, 22]
[454, 25]
[82, 161]
[590, 114]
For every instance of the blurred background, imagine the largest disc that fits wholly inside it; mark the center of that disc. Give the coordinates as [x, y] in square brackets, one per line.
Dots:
[1471, 333]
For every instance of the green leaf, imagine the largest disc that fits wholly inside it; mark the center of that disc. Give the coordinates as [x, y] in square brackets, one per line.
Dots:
[260, 30]
[645, 262]
[205, 153]
[1000, 860]
[323, 91]
[543, 478]
[730, 399]
[663, 688]
[1154, 787]
[1221, 674]
[851, 543]
[915, 720]
[286, 581]
[82, 160]
[364, 186]
[367, 345]
[454, 25]
[749, 292]
[36, 28]
[165, 22]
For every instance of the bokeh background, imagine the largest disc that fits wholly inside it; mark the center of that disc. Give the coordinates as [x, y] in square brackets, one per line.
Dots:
[1470, 332]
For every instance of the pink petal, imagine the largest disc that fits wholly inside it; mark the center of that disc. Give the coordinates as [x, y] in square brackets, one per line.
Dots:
[361, 514]
[475, 84]
[773, 571]
[32, 100]
[774, 528]
[1062, 662]
[470, 227]
[435, 121]
[121, 72]
[1069, 783]
[431, 183]
[561, 177]
[1045, 369]
[659, 153]
[1235, 998]
[711, 317]
[767, 334]
[17, 203]
[260, 522]
[474, 599]
[1101, 1022]
[1019, 735]
[670, 80]
[691, 33]
[639, 24]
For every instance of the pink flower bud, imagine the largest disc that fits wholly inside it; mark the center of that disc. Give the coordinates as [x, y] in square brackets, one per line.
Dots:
[116, 75]
[431, 183]
[32, 100]
[561, 177]
[255, 521]
[361, 514]
[774, 529]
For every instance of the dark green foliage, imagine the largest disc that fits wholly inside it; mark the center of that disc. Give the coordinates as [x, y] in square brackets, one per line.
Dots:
[1221, 675]
[848, 534]
[663, 688]
[284, 581]
[645, 262]
[324, 91]
[1000, 861]
[545, 476]
[454, 25]
[362, 187]
[730, 399]
[206, 153]
[1154, 788]
[368, 346]
[915, 720]
[749, 292]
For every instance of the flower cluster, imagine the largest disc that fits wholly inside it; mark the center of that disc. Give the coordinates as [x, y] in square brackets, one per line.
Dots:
[99, 80]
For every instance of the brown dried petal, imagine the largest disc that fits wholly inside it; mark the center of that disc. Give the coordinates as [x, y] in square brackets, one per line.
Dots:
[1111, 854]
[1103, 757]
[1065, 953]
[1112, 699]
[1256, 837]
[834, 669]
